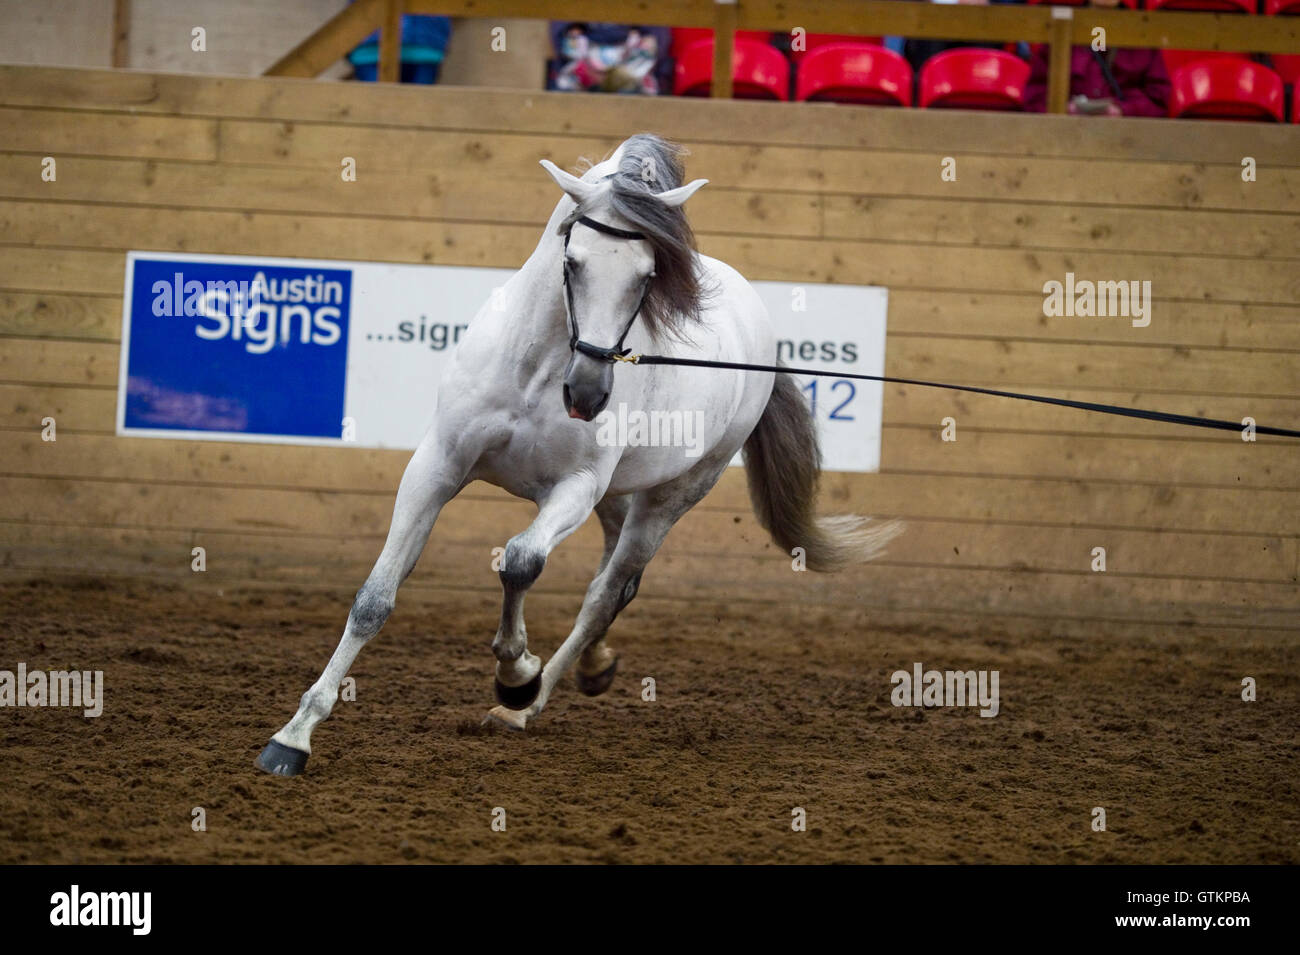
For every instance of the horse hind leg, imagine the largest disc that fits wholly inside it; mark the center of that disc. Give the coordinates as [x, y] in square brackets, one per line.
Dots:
[599, 663]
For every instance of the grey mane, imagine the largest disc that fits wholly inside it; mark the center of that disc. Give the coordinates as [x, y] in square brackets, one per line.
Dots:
[651, 165]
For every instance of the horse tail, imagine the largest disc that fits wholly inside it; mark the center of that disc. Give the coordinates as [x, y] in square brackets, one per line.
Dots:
[783, 465]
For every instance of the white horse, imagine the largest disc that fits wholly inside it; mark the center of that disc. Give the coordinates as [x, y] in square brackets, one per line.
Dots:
[616, 266]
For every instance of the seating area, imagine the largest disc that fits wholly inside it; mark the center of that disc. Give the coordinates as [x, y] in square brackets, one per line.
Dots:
[860, 70]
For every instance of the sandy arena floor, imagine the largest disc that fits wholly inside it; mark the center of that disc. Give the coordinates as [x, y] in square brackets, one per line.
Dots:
[758, 711]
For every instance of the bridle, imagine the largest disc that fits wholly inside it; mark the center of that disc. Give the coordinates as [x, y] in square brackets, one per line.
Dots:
[619, 353]
[576, 344]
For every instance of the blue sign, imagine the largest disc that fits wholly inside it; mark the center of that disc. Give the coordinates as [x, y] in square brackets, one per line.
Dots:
[237, 349]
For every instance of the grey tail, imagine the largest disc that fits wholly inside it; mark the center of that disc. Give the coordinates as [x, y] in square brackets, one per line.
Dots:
[783, 465]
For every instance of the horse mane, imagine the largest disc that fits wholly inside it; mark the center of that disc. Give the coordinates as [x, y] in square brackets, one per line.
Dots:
[650, 165]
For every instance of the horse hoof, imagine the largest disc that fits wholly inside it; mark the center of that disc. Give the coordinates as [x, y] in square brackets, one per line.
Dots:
[598, 683]
[282, 760]
[510, 719]
[519, 697]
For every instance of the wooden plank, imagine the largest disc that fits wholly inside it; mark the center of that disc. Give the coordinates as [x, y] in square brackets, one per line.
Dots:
[1066, 550]
[961, 222]
[484, 515]
[217, 463]
[74, 409]
[480, 519]
[79, 271]
[449, 155]
[698, 121]
[330, 42]
[452, 563]
[925, 408]
[1173, 278]
[1190, 31]
[1011, 365]
[51, 315]
[1056, 503]
[252, 509]
[682, 13]
[53, 362]
[1215, 325]
[459, 554]
[878, 585]
[1189, 184]
[1229, 462]
[1178, 185]
[906, 494]
[59, 134]
[716, 208]
[906, 450]
[46, 223]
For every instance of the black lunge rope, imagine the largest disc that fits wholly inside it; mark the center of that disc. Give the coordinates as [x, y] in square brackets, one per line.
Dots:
[1191, 420]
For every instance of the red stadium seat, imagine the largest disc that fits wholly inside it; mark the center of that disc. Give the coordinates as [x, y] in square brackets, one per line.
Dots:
[816, 41]
[685, 36]
[1291, 7]
[974, 78]
[1176, 59]
[854, 73]
[1287, 66]
[1227, 89]
[1217, 6]
[758, 71]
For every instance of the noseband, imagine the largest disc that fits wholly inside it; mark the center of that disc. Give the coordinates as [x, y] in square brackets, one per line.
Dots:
[618, 352]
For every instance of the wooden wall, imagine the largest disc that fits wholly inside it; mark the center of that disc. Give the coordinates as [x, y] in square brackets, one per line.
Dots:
[1202, 530]
[244, 37]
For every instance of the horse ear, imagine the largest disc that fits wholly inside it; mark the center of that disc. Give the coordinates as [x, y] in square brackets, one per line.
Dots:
[577, 190]
[675, 197]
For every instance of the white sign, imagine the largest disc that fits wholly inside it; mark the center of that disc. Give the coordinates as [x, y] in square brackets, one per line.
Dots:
[189, 373]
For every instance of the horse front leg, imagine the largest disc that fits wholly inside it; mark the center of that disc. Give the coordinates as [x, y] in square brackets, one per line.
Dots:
[560, 512]
[433, 477]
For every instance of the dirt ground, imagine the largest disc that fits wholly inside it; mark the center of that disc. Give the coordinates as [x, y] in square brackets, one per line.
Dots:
[758, 711]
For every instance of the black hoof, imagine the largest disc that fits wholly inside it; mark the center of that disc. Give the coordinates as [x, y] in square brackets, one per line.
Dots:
[600, 682]
[282, 760]
[519, 697]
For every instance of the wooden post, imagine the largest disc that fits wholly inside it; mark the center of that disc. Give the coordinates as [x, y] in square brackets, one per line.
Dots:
[121, 33]
[341, 33]
[724, 39]
[1058, 63]
[390, 43]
